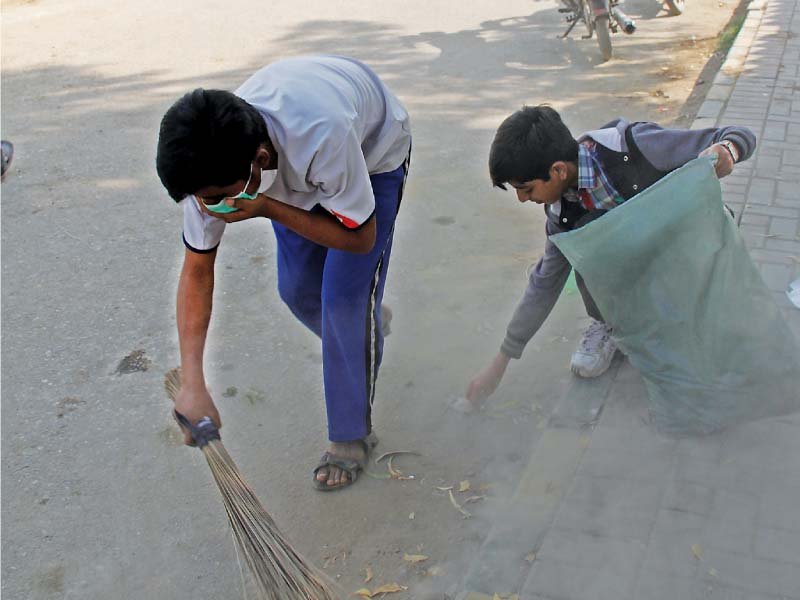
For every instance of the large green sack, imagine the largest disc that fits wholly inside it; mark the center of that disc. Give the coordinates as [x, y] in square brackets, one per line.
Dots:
[670, 272]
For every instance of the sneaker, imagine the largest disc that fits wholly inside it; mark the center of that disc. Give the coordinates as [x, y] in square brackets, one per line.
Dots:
[594, 354]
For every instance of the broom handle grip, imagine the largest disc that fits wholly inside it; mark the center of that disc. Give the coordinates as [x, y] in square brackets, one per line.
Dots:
[202, 432]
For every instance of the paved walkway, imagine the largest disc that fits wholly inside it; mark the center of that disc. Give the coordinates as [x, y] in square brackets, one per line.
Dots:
[618, 512]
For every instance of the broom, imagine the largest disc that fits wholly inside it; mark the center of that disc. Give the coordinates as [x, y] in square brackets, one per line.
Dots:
[278, 570]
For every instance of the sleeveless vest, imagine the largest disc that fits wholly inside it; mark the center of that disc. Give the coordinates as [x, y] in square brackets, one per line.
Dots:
[629, 172]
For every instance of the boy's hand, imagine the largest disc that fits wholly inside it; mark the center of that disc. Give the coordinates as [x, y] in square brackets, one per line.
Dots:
[194, 405]
[247, 209]
[724, 164]
[486, 381]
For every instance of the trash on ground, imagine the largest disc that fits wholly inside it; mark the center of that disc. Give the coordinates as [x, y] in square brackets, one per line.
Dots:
[388, 588]
[415, 558]
[458, 507]
[395, 453]
[697, 551]
[395, 474]
[472, 499]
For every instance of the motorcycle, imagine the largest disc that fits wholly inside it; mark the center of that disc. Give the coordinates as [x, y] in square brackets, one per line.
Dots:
[600, 17]
[675, 7]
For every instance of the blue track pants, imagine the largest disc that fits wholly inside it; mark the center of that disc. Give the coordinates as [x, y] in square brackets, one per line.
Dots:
[337, 295]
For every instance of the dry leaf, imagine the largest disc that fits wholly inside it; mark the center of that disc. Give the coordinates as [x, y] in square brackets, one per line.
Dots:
[484, 487]
[414, 558]
[531, 557]
[466, 514]
[697, 551]
[368, 578]
[388, 589]
[464, 486]
[395, 473]
[395, 453]
[712, 572]
[472, 499]
[384, 589]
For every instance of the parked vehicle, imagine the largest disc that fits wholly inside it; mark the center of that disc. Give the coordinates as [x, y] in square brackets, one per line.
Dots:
[601, 18]
[675, 7]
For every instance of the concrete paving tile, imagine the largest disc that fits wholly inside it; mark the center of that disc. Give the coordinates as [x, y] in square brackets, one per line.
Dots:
[656, 585]
[784, 227]
[643, 440]
[777, 544]
[778, 507]
[632, 463]
[776, 277]
[749, 573]
[669, 549]
[735, 506]
[595, 551]
[726, 474]
[730, 535]
[688, 497]
[555, 579]
[606, 506]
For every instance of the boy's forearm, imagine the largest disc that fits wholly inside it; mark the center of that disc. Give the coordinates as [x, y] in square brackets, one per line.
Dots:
[323, 229]
[668, 149]
[194, 302]
[545, 283]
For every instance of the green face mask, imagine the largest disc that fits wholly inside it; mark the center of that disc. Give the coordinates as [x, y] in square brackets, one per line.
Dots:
[222, 208]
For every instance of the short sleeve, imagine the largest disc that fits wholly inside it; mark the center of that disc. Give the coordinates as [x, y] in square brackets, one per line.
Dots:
[341, 176]
[201, 232]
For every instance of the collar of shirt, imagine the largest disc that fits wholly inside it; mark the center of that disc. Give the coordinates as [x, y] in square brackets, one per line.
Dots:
[594, 189]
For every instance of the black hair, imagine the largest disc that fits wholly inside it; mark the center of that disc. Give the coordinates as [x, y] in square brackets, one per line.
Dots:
[207, 138]
[527, 144]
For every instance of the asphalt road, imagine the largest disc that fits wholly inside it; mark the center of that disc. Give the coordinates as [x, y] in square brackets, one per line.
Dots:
[99, 499]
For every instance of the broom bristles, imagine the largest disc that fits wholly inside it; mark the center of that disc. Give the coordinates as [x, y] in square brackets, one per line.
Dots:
[278, 570]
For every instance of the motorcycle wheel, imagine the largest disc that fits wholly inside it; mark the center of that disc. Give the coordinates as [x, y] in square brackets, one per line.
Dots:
[603, 33]
[675, 7]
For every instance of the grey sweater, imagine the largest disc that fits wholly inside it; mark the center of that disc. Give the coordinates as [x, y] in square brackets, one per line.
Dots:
[666, 150]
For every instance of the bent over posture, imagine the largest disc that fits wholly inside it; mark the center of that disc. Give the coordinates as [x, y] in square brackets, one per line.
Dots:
[577, 181]
[337, 143]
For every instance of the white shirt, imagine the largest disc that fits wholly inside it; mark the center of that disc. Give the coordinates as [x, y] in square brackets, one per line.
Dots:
[333, 124]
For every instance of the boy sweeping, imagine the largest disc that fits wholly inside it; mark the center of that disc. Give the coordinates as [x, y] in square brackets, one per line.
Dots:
[337, 142]
[577, 181]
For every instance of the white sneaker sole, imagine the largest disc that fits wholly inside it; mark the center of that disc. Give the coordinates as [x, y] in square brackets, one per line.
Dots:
[602, 368]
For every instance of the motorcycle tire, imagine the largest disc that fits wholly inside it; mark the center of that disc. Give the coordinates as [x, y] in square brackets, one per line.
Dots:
[675, 7]
[603, 33]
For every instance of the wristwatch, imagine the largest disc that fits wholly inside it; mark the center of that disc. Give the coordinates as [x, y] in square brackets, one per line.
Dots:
[731, 148]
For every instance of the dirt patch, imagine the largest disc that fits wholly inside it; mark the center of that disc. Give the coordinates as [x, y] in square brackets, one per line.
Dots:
[135, 362]
[68, 405]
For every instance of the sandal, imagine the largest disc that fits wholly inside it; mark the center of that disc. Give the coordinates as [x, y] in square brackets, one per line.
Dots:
[350, 466]
[7, 156]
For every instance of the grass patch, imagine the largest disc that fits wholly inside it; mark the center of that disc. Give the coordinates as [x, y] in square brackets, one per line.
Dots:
[728, 35]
